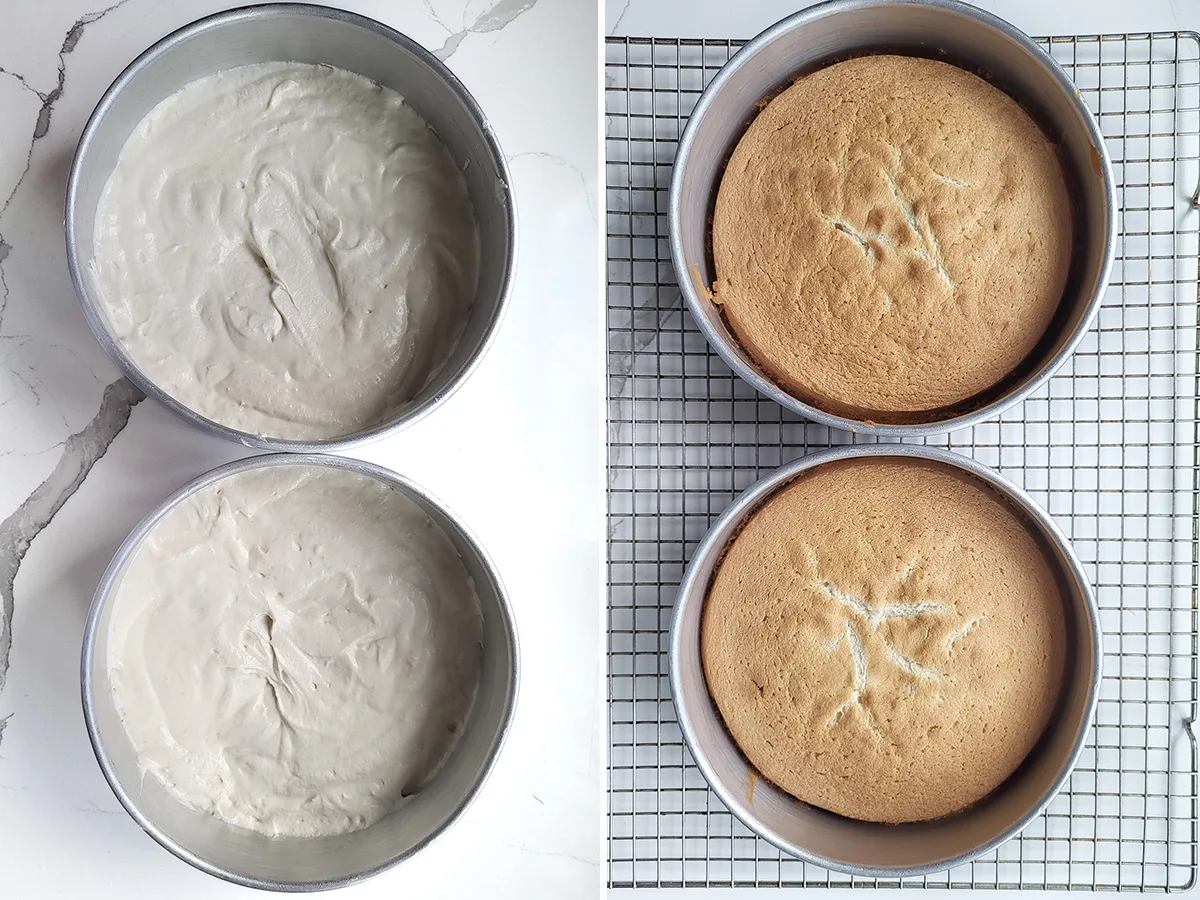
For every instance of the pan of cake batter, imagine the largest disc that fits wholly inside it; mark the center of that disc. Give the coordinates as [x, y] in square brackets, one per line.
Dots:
[298, 671]
[292, 226]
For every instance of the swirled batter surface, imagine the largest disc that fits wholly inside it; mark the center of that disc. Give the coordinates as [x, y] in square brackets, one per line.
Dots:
[287, 249]
[295, 649]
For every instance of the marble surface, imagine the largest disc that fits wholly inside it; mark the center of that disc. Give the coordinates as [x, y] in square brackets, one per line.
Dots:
[721, 19]
[517, 453]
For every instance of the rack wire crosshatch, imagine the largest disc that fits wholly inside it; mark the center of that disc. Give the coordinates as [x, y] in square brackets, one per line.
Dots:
[1108, 447]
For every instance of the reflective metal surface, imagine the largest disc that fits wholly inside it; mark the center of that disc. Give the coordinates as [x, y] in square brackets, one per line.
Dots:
[839, 28]
[863, 848]
[306, 864]
[310, 34]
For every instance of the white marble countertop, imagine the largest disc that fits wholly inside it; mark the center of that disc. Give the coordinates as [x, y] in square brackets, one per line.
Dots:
[517, 453]
[721, 19]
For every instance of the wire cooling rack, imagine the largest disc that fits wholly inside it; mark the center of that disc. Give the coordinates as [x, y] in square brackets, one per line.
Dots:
[1108, 446]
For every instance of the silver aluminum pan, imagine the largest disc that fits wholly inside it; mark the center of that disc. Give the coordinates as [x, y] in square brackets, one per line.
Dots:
[300, 32]
[839, 28]
[863, 848]
[290, 863]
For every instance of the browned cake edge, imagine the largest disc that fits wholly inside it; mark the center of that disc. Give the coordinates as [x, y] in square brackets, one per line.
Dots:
[1055, 565]
[1027, 367]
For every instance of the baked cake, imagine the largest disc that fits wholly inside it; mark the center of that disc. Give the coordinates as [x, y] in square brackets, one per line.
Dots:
[885, 639]
[892, 237]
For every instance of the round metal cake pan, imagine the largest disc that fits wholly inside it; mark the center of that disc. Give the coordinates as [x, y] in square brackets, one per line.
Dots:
[944, 29]
[297, 32]
[865, 848]
[292, 863]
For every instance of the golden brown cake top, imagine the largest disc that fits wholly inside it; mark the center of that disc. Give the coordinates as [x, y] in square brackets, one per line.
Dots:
[892, 236]
[884, 639]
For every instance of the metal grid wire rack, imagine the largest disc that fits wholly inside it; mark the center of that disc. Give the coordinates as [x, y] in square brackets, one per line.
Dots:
[1107, 446]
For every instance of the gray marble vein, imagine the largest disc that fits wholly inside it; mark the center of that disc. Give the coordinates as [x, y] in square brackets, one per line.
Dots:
[42, 126]
[29, 385]
[495, 17]
[525, 848]
[21, 80]
[620, 387]
[620, 17]
[79, 453]
[560, 161]
[81, 450]
[94, 809]
[5, 249]
[433, 14]
[70, 41]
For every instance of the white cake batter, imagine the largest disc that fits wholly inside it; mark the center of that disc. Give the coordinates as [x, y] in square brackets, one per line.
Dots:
[295, 649]
[287, 249]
